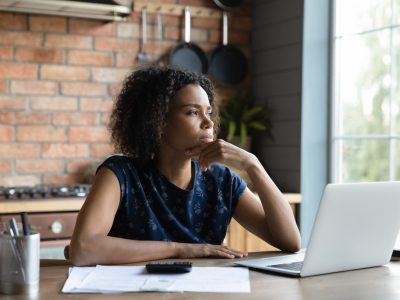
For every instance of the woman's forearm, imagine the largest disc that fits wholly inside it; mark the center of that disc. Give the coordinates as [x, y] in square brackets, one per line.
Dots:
[112, 250]
[280, 222]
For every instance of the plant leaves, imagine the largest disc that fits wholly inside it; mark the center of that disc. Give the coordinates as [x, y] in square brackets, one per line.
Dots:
[231, 130]
[243, 133]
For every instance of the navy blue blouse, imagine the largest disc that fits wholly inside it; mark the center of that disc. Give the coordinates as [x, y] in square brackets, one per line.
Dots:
[152, 208]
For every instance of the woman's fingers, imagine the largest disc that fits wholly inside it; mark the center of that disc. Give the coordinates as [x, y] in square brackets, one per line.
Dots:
[223, 251]
[217, 151]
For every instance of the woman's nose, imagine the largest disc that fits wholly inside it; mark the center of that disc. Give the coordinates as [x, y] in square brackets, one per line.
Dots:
[207, 122]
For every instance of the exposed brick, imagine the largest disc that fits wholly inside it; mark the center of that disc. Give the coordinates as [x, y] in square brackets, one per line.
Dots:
[241, 38]
[125, 59]
[65, 150]
[114, 89]
[109, 74]
[52, 109]
[75, 118]
[91, 27]
[40, 55]
[47, 23]
[16, 180]
[105, 118]
[101, 150]
[80, 57]
[83, 89]
[52, 72]
[20, 38]
[203, 3]
[68, 41]
[64, 179]
[33, 88]
[116, 44]
[10, 21]
[39, 166]
[173, 33]
[215, 36]
[19, 150]
[6, 134]
[199, 35]
[172, 20]
[24, 118]
[81, 166]
[241, 22]
[130, 30]
[159, 47]
[210, 23]
[54, 103]
[96, 104]
[3, 86]
[40, 134]
[5, 166]
[12, 103]
[88, 134]
[18, 71]
[207, 47]
[6, 53]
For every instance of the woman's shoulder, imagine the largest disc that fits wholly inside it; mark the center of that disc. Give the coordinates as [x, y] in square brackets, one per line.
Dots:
[119, 162]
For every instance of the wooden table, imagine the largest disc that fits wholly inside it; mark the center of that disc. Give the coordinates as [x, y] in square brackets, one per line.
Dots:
[372, 284]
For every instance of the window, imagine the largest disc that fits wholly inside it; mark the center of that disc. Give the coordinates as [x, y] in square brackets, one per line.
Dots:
[365, 136]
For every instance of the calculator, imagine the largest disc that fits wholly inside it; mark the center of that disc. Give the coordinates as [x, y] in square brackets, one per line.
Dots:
[169, 267]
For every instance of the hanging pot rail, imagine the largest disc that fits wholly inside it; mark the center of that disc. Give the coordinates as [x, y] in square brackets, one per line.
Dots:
[176, 9]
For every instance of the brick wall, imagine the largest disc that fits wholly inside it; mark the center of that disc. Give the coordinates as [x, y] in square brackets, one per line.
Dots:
[58, 79]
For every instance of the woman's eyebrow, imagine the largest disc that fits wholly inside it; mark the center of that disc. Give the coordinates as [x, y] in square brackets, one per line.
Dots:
[195, 106]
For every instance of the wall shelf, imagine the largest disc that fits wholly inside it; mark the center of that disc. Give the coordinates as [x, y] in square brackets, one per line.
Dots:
[177, 9]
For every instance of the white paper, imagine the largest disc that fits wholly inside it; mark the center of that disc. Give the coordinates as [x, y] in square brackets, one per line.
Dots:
[118, 279]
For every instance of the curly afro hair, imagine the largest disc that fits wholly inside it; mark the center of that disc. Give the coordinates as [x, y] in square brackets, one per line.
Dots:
[141, 108]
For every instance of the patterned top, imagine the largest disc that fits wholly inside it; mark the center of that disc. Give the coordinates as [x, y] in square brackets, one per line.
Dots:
[152, 208]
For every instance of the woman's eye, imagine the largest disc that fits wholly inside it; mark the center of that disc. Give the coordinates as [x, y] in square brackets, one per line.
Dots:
[193, 112]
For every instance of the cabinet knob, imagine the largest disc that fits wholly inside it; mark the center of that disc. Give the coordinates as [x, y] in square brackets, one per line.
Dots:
[56, 227]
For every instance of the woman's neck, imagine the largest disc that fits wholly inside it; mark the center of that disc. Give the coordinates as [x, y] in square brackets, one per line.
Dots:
[177, 171]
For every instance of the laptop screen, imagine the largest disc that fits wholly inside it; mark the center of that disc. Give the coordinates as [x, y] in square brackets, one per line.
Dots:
[397, 245]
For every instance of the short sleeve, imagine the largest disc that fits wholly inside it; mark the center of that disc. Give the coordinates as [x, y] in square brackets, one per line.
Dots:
[117, 165]
[238, 188]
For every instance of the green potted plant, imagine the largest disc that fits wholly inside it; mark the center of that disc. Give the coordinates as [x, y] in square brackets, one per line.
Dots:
[240, 118]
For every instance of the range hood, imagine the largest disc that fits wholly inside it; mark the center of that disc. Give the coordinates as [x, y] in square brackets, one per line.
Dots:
[94, 9]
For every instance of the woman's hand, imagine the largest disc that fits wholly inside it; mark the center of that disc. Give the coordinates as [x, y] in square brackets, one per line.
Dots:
[207, 250]
[222, 152]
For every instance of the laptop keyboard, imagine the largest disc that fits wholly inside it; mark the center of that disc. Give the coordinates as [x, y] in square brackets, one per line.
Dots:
[294, 266]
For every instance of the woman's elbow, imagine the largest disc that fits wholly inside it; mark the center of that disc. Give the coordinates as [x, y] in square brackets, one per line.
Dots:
[294, 245]
[79, 252]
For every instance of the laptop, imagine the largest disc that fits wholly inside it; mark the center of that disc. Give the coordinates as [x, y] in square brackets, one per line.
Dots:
[356, 227]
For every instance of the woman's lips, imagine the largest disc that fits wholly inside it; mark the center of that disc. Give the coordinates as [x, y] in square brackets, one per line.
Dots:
[206, 139]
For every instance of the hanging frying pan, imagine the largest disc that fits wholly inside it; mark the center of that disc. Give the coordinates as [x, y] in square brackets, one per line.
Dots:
[227, 63]
[142, 56]
[228, 4]
[187, 54]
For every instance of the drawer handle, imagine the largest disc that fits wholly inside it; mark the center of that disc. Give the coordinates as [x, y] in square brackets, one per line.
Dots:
[56, 227]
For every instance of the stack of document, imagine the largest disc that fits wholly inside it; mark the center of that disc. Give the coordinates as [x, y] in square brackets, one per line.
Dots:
[119, 279]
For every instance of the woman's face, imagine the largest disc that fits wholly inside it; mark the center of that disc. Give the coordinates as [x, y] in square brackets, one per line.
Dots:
[188, 120]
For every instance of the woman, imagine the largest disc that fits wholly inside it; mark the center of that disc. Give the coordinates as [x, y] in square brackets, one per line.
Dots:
[172, 194]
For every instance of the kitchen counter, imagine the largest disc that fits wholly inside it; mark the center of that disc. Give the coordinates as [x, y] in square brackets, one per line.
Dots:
[41, 205]
[71, 204]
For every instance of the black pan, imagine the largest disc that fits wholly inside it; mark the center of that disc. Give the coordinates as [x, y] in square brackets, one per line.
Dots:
[227, 63]
[228, 4]
[188, 55]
